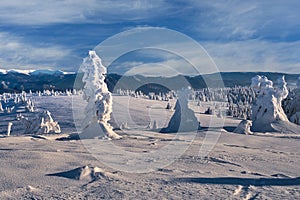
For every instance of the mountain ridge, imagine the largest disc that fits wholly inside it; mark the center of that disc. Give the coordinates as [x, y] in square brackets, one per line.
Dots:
[14, 81]
[34, 71]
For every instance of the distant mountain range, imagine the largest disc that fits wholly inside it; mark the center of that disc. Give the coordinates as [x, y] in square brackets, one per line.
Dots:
[18, 80]
[34, 72]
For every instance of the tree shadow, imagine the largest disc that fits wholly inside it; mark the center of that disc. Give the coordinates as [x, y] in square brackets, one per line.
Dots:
[243, 181]
[229, 128]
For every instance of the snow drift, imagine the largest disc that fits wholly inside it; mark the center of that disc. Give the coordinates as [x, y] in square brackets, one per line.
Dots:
[85, 173]
[244, 127]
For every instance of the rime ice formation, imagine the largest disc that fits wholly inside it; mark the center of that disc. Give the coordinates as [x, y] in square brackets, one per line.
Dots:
[29, 105]
[41, 123]
[267, 112]
[124, 126]
[292, 105]
[154, 125]
[99, 99]
[1, 108]
[244, 127]
[48, 125]
[9, 128]
[183, 119]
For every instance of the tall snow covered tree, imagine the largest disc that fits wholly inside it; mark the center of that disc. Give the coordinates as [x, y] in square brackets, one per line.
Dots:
[99, 99]
[292, 105]
[267, 112]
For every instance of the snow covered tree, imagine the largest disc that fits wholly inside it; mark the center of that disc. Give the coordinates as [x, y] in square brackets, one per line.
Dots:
[292, 105]
[169, 106]
[1, 108]
[99, 99]
[267, 112]
[154, 127]
[183, 119]
[29, 105]
[42, 123]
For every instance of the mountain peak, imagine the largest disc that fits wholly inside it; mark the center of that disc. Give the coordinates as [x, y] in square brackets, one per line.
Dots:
[35, 72]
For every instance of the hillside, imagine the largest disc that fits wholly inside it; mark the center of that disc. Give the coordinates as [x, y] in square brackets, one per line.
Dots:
[16, 81]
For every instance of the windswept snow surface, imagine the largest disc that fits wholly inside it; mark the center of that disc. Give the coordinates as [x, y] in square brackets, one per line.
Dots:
[259, 166]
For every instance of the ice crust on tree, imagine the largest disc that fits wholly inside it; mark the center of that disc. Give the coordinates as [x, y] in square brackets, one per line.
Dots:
[40, 124]
[292, 106]
[183, 119]
[267, 111]
[99, 99]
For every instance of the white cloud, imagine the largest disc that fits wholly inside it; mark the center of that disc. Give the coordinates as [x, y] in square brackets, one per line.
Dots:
[249, 55]
[153, 69]
[15, 53]
[36, 12]
[255, 55]
[237, 19]
[231, 25]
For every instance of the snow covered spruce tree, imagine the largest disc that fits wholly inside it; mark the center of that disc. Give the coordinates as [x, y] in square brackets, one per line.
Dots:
[99, 99]
[267, 111]
[292, 105]
[183, 119]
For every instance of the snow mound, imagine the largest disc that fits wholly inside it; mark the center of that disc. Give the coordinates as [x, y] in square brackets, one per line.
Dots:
[96, 130]
[244, 127]
[30, 188]
[85, 173]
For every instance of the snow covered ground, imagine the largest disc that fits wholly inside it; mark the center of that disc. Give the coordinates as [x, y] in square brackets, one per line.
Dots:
[259, 166]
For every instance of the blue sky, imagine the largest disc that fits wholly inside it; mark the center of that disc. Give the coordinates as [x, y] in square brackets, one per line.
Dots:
[238, 35]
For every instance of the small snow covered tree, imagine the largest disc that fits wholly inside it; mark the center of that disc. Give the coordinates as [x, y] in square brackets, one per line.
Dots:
[183, 119]
[29, 105]
[9, 128]
[40, 124]
[99, 99]
[244, 127]
[1, 108]
[154, 127]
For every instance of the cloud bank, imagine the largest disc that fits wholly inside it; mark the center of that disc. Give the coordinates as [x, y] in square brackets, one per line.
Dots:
[239, 35]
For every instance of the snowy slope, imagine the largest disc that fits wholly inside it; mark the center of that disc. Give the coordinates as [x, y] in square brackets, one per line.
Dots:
[238, 167]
